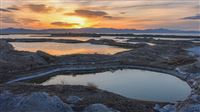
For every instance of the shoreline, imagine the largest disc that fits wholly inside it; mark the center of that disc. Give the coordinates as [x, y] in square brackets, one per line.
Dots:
[159, 35]
[58, 70]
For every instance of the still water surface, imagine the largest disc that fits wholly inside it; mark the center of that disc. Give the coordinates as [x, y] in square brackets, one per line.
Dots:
[38, 36]
[136, 84]
[66, 48]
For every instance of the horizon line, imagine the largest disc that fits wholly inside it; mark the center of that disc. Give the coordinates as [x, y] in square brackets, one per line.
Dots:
[99, 28]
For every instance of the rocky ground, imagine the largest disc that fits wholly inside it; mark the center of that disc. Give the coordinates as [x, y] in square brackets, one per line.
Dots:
[164, 56]
[171, 57]
[65, 98]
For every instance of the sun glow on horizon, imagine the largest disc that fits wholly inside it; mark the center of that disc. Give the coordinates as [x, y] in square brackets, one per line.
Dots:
[120, 14]
[81, 22]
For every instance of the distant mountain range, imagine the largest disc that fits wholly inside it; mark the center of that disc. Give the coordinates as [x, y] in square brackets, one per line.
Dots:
[91, 30]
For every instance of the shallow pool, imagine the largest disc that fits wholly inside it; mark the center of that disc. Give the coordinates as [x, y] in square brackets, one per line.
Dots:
[46, 36]
[54, 48]
[136, 84]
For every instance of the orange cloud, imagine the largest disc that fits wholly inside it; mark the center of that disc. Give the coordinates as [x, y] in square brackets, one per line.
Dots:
[64, 24]
[40, 8]
[28, 20]
[112, 17]
[93, 15]
[99, 13]
[4, 10]
[88, 13]
[13, 8]
[8, 19]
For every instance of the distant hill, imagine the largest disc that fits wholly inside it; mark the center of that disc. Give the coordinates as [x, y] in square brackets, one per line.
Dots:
[91, 30]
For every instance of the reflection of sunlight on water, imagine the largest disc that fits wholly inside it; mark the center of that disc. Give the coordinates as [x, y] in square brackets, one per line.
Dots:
[64, 49]
[37, 36]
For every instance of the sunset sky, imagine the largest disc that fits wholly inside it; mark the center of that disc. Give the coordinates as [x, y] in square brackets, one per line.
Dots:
[121, 14]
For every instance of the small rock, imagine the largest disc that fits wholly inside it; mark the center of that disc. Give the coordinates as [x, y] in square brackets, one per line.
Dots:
[35, 102]
[195, 98]
[191, 108]
[46, 56]
[195, 50]
[98, 108]
[8, 101]
[168, 108]
[157, 107]
[73, 99]
[5, 46]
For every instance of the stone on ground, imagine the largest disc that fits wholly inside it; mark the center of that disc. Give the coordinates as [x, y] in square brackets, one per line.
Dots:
[35, 102]
[73, 99]
[98, 108]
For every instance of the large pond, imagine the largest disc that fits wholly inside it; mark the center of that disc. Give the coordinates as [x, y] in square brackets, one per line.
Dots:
[66, 48]
[37, 36]
[136, 84]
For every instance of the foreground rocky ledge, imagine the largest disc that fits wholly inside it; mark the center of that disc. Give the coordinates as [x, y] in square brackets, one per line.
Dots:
[65, 98]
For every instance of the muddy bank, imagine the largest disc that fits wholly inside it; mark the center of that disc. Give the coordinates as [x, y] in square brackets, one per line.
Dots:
[118, 34]
[160, 57]
[11, 60]
[16, 64]
[129, 43]
[182, 43]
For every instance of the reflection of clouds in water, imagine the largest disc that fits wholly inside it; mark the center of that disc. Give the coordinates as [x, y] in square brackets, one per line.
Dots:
[64, 49]
[145, 85]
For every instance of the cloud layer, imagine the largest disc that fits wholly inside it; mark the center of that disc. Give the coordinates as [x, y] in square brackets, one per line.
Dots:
[131, 14]
[39, 8]
[8, 19]
[4, 10]
[92, 14]
[195, 17]
[64, 24]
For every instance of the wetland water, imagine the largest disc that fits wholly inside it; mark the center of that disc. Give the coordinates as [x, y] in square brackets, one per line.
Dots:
[54, 48]
[136, 84]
